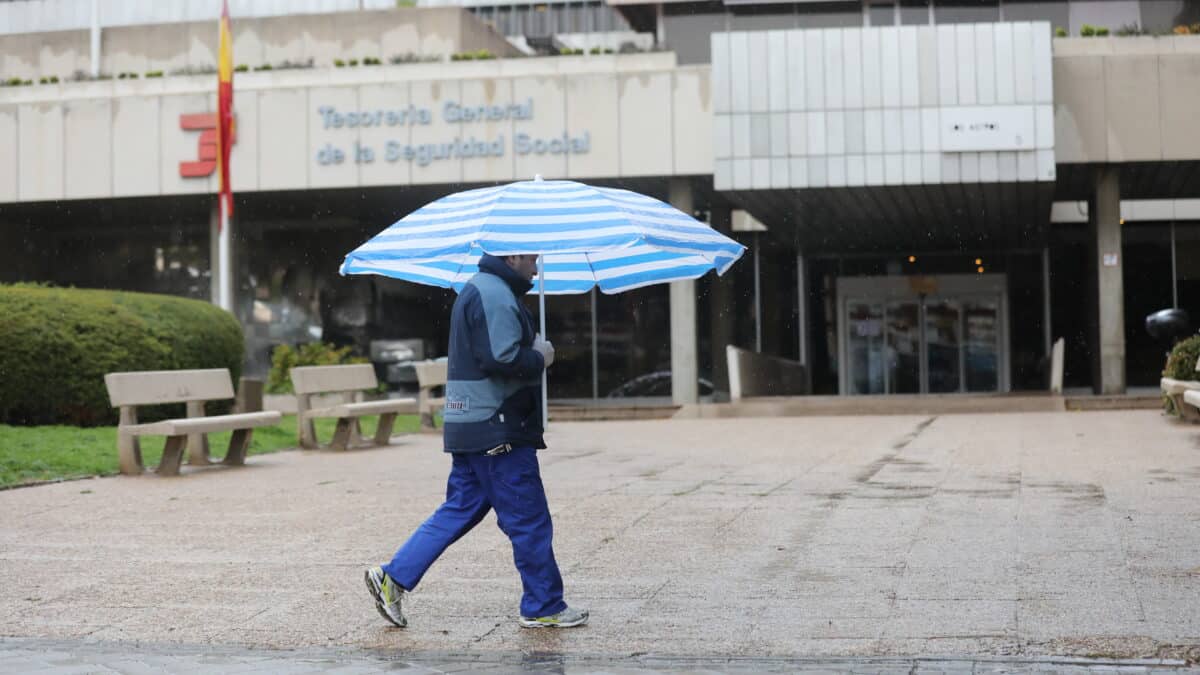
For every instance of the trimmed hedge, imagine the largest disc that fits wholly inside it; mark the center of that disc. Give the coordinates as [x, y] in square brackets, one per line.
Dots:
[56, 345]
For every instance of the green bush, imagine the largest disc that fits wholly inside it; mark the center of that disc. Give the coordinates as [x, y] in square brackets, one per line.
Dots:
[1087, 30]
[285, 357]
[1101, 31]
[60, 342]
[1181, 363]
[1060, 32]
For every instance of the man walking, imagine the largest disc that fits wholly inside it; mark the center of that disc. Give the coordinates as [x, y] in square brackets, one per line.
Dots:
[492, 430]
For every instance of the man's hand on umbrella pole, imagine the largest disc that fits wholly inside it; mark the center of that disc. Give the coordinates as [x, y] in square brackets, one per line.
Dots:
[546, 349]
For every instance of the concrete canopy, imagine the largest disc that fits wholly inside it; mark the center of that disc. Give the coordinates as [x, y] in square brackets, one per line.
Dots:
[953, 215]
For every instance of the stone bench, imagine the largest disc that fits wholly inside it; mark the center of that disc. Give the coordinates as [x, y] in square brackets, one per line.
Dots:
[349, 381]
[430, 375]
[129, 390]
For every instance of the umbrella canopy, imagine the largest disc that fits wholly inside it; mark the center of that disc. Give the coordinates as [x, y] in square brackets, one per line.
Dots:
[588, 236]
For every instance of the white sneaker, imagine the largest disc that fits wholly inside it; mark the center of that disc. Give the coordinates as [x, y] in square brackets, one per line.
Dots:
[568, 618]
[387, 594]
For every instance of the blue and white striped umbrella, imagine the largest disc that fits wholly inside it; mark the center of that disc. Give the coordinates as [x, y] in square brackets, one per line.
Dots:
[588, 236]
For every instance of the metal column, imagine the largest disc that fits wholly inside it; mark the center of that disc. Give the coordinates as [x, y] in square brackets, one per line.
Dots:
[1047, 333]
[757, 297]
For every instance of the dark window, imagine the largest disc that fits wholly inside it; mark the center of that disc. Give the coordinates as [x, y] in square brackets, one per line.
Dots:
[965, 11]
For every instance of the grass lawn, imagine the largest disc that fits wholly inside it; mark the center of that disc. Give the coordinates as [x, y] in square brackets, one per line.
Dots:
[36, 454]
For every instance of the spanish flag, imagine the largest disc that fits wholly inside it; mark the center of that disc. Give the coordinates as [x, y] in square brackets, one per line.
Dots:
[225, 109]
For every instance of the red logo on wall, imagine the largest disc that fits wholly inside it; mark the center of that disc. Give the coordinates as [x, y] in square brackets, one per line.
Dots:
[206, 152]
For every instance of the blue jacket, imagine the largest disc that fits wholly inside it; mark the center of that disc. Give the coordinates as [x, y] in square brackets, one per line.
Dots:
[493, 383]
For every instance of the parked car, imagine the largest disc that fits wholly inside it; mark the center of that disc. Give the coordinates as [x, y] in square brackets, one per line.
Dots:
[654, 384]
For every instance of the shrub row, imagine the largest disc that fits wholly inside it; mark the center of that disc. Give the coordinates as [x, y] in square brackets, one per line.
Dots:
[58, 343]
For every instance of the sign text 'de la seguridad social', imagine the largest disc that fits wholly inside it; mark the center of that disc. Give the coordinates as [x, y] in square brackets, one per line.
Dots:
[461, 146]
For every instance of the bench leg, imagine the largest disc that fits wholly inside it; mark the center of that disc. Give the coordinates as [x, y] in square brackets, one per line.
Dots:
[197, 444]
[129, 453]
[1186, 411]
[383, 433]
[172, 456]
[239, 443]
[197, 450]
[341, 435]
[308, 434]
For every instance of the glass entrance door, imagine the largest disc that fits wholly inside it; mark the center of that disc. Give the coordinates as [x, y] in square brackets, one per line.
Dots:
[944, 343]
[943, 348]
[864, 335]
[903, 355]
[982, 349]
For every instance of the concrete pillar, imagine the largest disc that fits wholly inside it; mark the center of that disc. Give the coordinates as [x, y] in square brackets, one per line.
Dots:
[684, 365]
[660, 29]
[95, 39]
[721, 310]
[1104, 220]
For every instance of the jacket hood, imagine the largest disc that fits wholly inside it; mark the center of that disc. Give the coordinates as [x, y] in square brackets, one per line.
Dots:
[495, 265]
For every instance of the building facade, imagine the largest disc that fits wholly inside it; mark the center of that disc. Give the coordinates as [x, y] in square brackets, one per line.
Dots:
[928, 204]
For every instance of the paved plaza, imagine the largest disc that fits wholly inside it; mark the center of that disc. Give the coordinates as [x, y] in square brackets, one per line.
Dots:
[986, 538]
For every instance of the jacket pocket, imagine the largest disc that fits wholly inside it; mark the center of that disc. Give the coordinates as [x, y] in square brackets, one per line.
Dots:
[516, 410]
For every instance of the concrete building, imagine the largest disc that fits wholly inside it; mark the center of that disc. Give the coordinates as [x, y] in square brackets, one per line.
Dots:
[929, 203]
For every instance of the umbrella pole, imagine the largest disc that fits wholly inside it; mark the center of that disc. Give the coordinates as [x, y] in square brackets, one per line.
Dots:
[542, 323]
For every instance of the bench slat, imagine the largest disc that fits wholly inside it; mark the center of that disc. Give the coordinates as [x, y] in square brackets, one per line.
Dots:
[153, 387]
[1172, 387]
[395, 405]
[320, 379]
[204, 425]
[1192, 397]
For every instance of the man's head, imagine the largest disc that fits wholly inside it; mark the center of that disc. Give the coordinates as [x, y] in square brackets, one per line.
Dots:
[524, 265]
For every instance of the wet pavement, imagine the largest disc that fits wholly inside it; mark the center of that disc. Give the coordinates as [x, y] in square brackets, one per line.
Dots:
[46, 657]
[735, 543]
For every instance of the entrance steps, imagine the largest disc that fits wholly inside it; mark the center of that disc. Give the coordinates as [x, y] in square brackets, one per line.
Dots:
[631, 408]
[894, 404]
[1132, 401]
[918, 404]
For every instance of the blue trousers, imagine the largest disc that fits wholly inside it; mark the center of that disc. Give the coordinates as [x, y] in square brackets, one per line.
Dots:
[512, 485]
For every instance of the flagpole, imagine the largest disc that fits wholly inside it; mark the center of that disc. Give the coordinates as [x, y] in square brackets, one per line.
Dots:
[224, 263]
[225, 135]
[542, 324]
